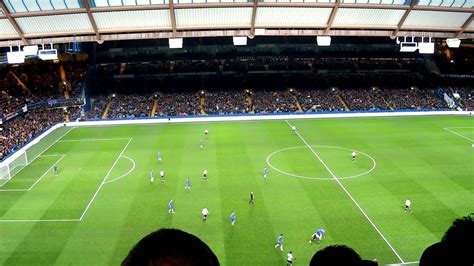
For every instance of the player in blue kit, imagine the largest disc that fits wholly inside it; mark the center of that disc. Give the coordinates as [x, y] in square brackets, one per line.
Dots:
[265, 172]
[171, 207]
[158, 155]
[201, 144]
[318, 235]
[187, 184]
[55, 169]
[232, 218]
[280, 242]
[152, 176]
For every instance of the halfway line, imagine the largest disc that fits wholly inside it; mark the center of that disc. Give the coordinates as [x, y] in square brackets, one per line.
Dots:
[462, 136]
[103, 180]
[348, 194]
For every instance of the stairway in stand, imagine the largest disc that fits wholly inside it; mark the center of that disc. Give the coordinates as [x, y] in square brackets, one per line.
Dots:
[154, 108]
[338, 95]
[107, 107]
[249, 101]
[202, 105]
[298, 105]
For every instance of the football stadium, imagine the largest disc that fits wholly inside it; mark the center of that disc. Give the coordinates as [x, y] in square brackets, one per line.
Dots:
[313, 132]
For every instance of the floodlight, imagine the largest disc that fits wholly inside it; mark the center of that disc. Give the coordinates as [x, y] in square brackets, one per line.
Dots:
[453, 43]
[240, 40]
[426, 47]
[48, 54]
[175, 43]
[16, 57]
[30, 50]
[324, 40]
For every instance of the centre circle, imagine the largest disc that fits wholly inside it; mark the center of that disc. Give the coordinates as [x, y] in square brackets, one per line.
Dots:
[269, 157]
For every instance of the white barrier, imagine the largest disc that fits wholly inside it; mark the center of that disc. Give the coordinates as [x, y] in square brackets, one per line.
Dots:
[261, 117]
[224, 119]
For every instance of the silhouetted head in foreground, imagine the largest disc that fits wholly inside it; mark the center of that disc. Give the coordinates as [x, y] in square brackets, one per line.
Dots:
[339, 255]
[169, 247]
[456, 246]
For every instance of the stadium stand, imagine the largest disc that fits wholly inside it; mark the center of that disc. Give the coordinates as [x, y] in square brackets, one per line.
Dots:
[18, 131]
[225, 102]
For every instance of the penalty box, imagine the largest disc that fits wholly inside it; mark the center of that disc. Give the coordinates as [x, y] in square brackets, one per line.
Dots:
[36, 194]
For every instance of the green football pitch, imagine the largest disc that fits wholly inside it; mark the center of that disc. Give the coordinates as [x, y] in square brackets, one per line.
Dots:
[102, 202]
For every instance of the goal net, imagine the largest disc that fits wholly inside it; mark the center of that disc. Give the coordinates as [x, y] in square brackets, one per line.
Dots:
[9, 170]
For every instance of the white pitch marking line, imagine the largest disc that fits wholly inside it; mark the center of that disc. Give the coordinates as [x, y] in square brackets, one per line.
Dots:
[53, 143]
[374, 164]
[103, 180]
[47, 171]
[90, 140]
[38, 220]
[39, 179]
[348, 194]
[462, 136]
[50, 155]
[124, 175]
[410, 262]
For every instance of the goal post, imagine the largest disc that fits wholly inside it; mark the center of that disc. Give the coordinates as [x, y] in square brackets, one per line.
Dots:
[9, 170]
[18, 163]
[4, 174]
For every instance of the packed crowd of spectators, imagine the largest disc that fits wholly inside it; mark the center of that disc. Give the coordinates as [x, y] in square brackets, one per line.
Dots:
[319, 100]
[18, 131]
[413, 98]
[225, 102]
[42, 82]
[183, 103]
[129, 106]
[98, 104]
[364, 99]
[274, 101]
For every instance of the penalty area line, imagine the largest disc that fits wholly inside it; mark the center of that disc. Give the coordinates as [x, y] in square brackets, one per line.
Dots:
[104, 180]
[39, 220]
[347, 193]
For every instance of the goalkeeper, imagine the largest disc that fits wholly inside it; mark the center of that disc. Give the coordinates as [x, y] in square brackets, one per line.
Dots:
[55, 169]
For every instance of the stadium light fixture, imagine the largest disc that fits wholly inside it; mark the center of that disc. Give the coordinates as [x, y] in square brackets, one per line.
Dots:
[239, 40]
[175, 43]
[48, 54]
[407, 45]
[453, 43]
[30, 50]
[17, 57]
[323, 40]
[426, 47]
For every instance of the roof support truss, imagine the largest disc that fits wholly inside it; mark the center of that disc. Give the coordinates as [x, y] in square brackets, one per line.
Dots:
[91, 19]
[404, 17]
[13, 22]
[332, 16]
[173, 17]
[465, 25]
[254, 15]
